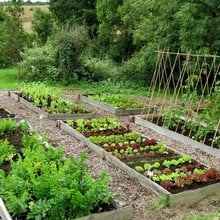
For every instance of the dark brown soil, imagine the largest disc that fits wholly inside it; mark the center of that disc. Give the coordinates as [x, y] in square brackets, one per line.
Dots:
[107, 132]
[5, 114]
[15, 139]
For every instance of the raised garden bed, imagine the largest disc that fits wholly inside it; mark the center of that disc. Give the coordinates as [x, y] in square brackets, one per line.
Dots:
[51, 106]
[4, 113]
[154, 165]
[144, 121]
[113, 109]
[37, 179]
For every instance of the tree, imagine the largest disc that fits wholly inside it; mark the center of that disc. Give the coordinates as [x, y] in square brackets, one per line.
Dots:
[113, 36]
[71, 41]
[82, 12]
[12, 35]
[42, 24]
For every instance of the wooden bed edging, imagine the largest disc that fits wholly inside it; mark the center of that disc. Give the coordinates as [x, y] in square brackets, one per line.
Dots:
[193, 196]
[112, 109]
[4, 215]
[123, 213]
[187, 197]
[176, 136]
[44, 114]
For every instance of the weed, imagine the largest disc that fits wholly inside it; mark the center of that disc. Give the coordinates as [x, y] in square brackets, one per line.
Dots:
[160, 202]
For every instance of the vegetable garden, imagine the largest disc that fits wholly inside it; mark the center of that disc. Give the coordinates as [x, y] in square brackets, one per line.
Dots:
[36, 176]
[37, 180]
[151, 162]
[134, 133]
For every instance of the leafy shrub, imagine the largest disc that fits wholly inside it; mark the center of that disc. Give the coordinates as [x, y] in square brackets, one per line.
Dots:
[70, 43]
[140, 67]
[38, 63]
[7, 125]
[100, 69]
[5, 150]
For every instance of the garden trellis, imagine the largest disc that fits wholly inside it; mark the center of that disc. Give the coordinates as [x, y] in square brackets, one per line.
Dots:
[185, 94]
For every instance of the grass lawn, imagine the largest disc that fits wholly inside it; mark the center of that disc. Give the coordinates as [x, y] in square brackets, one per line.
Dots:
[9, 81]
[8, 78]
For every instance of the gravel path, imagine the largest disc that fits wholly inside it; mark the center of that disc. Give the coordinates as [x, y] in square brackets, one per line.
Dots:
[130, 192]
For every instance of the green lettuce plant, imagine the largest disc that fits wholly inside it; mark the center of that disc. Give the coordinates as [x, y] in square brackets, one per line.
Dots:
[117, 100]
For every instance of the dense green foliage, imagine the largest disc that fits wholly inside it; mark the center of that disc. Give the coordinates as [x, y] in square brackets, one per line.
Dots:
[42, 24]
[126, 34]
[77, 11]
[130, 31]
[70, 43]
[12, 36]
[38, 63]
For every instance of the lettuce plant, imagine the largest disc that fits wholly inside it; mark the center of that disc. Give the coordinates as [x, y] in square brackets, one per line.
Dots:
[49, 99]
[117, 100]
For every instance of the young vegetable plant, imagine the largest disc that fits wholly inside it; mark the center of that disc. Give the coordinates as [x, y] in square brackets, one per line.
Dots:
[7, 151]
[94, 125]
[49, 99]
[7, 126]
[117, 100]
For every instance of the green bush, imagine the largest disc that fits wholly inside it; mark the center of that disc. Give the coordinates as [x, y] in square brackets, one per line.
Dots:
[140, 67]
[100, 69]
[71, 41]
[38, 63]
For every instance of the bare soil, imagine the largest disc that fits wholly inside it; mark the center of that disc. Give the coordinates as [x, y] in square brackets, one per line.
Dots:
[129, 191]
[5, 114]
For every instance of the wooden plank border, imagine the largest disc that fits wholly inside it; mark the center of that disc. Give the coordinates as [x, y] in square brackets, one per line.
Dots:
[44, 114]
[186, 197]
[125, 213]
[193, 196]
[112, 109]
[119, 213]
[4, 215]
[176, 136]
